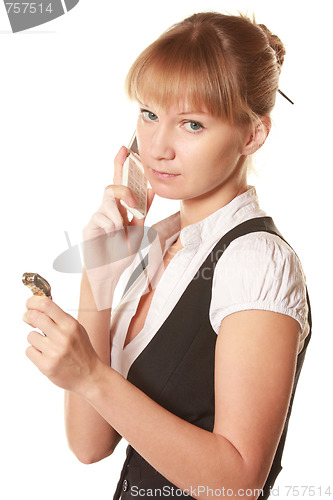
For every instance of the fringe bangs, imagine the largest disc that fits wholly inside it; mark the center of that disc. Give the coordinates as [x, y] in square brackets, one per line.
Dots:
[186, 74]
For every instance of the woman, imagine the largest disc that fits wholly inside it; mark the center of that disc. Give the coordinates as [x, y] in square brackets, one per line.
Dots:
[207, 343]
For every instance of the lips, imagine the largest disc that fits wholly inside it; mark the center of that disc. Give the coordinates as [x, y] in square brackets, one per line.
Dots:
[160, 172]
[164, 175]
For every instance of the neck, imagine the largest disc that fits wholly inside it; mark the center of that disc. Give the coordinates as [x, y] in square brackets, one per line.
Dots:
[193, 210]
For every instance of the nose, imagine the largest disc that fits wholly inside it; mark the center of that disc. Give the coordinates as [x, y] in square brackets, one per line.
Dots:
[161, 146]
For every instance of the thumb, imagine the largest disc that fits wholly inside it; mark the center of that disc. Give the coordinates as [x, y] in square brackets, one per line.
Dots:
[141, 222]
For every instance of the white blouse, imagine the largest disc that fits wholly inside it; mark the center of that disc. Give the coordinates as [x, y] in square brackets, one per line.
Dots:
[257, 271]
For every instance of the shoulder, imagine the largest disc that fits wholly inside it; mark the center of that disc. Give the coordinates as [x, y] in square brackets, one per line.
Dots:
[258, 271]
[258, 250]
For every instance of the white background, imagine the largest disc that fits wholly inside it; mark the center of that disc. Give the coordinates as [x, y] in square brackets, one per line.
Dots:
[63, 118]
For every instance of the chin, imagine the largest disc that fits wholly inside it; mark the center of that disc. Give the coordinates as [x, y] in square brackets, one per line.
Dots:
[165, 191]
[167, 196]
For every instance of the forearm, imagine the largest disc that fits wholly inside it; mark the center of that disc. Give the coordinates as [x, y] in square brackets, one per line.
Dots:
[185, 454]
[90, 437]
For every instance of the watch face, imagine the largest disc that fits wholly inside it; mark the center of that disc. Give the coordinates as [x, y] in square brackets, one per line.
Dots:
[37, 284]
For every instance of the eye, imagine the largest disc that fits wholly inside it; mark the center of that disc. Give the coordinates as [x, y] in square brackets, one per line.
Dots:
[147, 115]
[193, 126]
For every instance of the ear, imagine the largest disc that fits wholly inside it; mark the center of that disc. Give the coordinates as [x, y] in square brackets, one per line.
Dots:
[257, 135]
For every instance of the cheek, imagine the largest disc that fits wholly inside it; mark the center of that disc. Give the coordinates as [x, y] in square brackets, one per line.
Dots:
[216, 164]
[139, 135]
[192, 154]
[143, 142]
[226, 155]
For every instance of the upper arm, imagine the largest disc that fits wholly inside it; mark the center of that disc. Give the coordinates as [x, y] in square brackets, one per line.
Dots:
[256, 355]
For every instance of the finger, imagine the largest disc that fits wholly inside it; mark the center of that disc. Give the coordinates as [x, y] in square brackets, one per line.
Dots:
[109, 196]
[103, 222]
[106, 219]
[141, 222]
[118, 165]
[120, 217]
[123, 212]
[49, 308]
[110, 205]
[37, 340]
[38, 319]
[119, 192]
[113, 195]
[34, 355]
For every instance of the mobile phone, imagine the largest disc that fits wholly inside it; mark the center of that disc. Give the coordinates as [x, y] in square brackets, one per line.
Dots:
[134, 178]
[37, 284]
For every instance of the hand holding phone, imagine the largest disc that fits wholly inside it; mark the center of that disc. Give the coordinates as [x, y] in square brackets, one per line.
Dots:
[134, 178]
[110, 239]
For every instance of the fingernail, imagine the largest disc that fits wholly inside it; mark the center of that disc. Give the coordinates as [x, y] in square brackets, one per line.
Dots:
[131, 202]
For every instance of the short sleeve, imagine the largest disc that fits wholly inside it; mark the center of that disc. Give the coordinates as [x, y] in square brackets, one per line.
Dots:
[259, 271]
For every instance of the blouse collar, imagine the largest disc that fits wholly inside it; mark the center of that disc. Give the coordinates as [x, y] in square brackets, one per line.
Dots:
[214, 225]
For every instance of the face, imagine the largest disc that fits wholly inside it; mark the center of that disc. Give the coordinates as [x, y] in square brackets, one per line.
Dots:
[188, 153]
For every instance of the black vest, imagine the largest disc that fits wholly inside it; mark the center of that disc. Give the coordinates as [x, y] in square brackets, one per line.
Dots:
[176, 368]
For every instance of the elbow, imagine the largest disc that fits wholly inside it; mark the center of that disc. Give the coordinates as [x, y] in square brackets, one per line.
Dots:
[249, 483]
[93, 450]
[252, 483]
[89, 456]
[87, 459]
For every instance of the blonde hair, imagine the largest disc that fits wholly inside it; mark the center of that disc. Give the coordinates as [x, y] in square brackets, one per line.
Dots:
[227, 64]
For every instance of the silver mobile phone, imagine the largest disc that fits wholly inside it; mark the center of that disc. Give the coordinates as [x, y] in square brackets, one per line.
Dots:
[134, 178]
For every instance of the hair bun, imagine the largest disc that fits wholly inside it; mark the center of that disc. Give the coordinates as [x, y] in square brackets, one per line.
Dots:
[276, 44]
